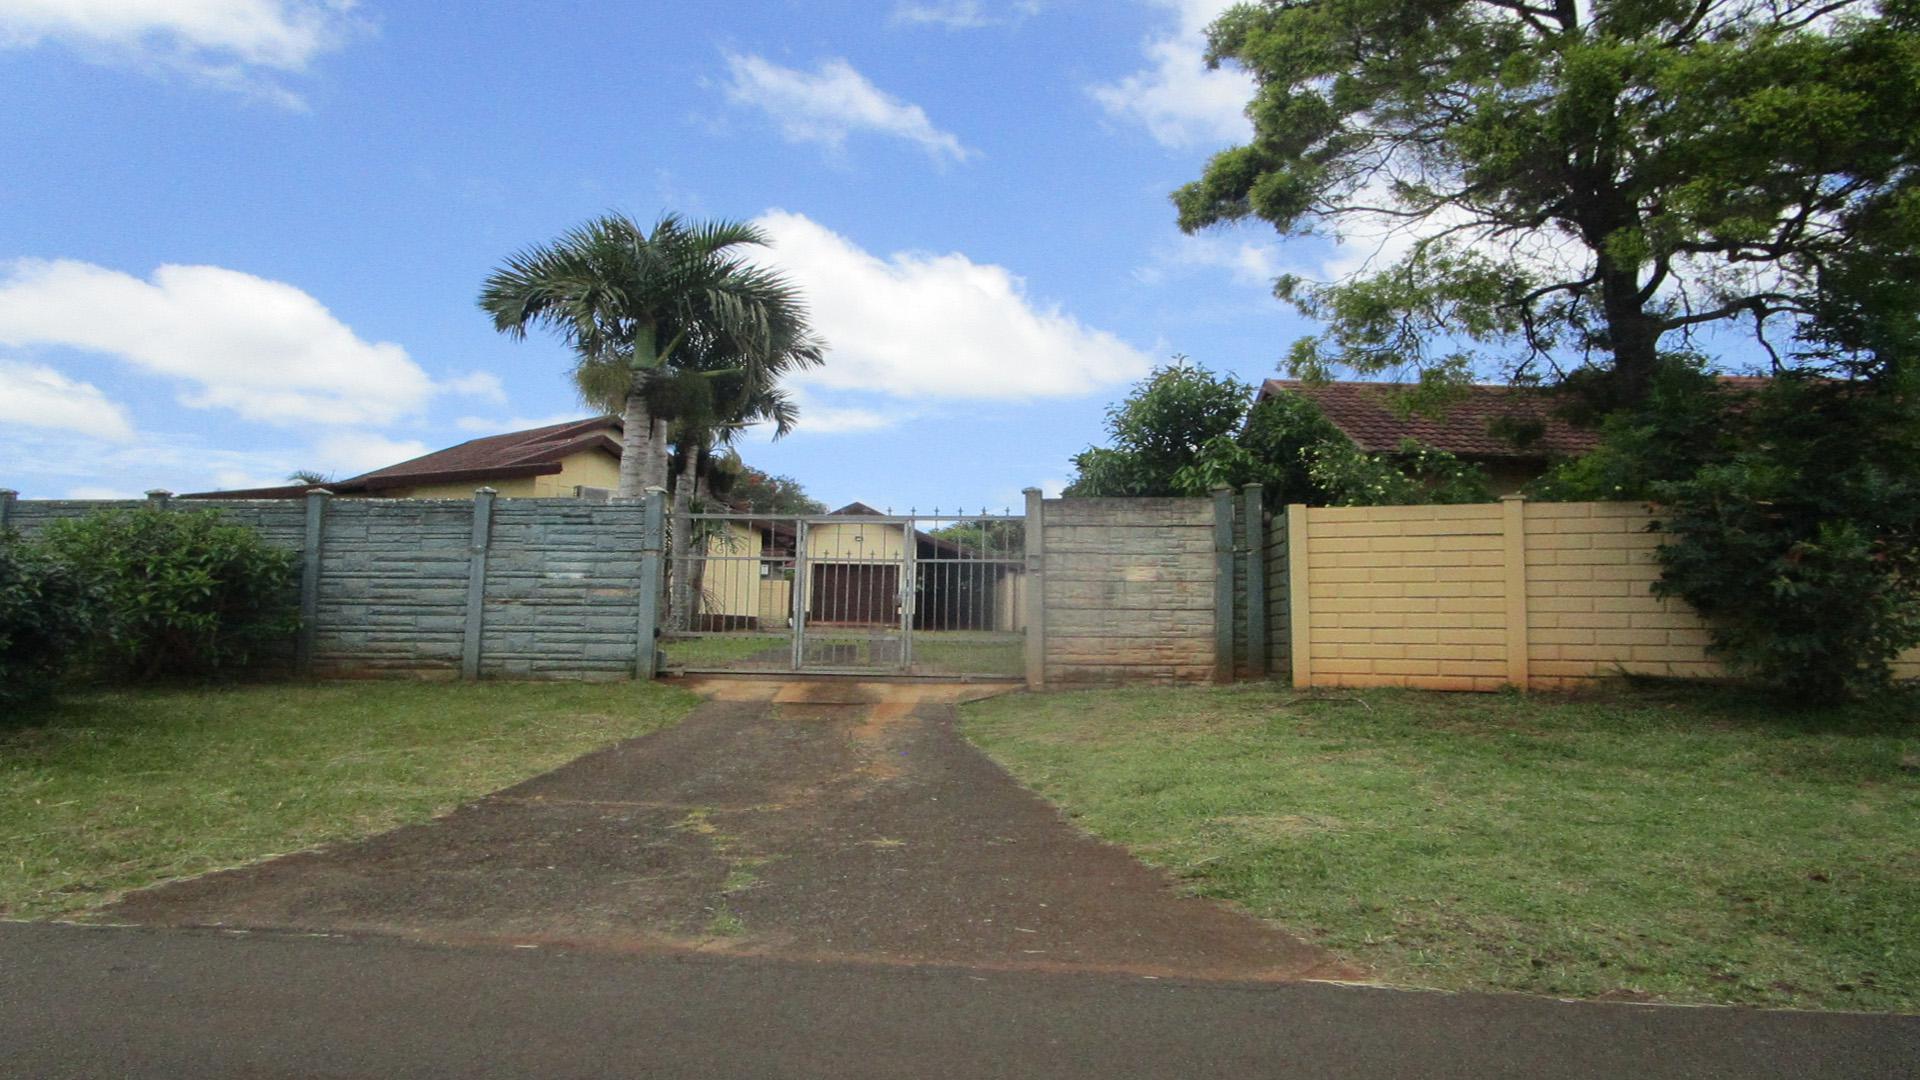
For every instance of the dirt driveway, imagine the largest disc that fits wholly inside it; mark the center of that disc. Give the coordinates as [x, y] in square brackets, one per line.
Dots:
[813, 820]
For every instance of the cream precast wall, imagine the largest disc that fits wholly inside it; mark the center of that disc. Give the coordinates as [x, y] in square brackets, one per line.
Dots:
[1399, 595]
[1484, 596]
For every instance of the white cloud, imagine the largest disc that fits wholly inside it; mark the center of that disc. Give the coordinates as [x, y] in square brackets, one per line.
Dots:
[350, 453]
[228, 43]
[481, 425]
[1179, 101]
[960, 14]
[919, 326]
[261, 348]
[43, 463]
[480, 384]
[38, 396]
[1250, 262]
[100, 491]
[827, 105]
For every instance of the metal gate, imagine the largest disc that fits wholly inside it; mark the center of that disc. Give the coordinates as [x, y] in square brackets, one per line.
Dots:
[848, 593]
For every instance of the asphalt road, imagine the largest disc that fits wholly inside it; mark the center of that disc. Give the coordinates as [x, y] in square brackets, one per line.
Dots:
[105, 1001]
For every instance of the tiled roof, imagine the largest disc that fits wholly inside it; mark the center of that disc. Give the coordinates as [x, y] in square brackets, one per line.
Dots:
[517, 453]
[1366, 413]
[534, 452]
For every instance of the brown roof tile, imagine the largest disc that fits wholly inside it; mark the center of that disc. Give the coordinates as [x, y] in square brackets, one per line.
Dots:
[1366, 412]
[534, 452]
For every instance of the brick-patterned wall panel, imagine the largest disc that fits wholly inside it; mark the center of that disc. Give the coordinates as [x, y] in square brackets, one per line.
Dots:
[393, 593]
[1407, 596]
[561, 584]
[562, 589]
[1129, 590]
[1591, 612]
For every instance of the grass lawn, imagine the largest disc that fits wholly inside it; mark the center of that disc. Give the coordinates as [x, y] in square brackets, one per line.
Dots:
[1675, 845]
[110, 791]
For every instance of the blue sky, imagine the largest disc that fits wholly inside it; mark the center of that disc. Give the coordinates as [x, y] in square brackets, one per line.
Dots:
[239, 237]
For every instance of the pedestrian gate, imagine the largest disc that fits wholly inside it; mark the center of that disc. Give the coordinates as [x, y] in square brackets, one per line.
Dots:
[849, 592]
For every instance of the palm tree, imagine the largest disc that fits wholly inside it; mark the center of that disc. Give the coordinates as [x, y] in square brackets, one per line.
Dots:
[712, 399]
[639, 307]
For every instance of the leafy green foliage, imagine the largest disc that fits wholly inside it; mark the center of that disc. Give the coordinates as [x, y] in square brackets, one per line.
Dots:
[742, 485]
[1585, 184]
[1160, 429]
[181, 592]
[1415, 474]
[47, 612]
[1185, 431]
[1802, 546]
[1688, 420]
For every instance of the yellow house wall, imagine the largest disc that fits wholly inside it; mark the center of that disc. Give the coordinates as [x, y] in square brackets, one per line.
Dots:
[731, 584]
[856, 541]
[1479, 597]
[589, 468]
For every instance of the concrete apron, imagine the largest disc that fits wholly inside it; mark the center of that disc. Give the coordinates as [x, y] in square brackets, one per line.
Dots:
[832, 820]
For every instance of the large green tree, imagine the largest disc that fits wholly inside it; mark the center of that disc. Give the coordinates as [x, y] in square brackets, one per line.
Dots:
[1577, 184]
[639, 307]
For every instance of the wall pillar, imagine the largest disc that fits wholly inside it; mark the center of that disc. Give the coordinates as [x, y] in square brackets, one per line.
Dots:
[309, 580]
[1513, 510]
[1222, 584]
[1299, 630]
[477, 582]
[1253, 512]
[653, 529]
[8, 497]
[1035, 531]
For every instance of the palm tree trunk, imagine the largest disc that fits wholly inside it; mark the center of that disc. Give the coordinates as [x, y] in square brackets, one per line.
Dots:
[636, 447]
[680, 605]
[657, 462]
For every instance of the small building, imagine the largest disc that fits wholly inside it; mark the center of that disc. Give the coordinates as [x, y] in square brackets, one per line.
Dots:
[557, 461]
[1471, 428]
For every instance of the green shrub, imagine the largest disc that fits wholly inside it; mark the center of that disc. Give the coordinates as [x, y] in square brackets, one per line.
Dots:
[182, 592]
[47, 613]
[1802, 549]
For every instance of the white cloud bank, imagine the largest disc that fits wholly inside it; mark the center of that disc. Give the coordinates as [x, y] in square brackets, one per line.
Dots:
[261, 348]
[233, 44]
[1175, 97]
[38, 396]
[920, 327]
[828, 105]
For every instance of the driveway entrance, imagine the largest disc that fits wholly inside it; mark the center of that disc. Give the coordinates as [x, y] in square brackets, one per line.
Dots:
[825, 819]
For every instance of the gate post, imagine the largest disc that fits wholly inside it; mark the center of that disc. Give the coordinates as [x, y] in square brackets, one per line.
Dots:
[7, 497]
[310, 580]
[653, 511]
[801, 587]
[1223, 584]
[476, 582]
[1255, 530]
[1036, 590]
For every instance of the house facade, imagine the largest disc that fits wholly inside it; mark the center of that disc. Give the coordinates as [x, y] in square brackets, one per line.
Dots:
[581, 457]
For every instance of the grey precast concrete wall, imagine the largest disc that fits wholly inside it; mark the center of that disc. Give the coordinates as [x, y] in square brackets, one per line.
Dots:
[541, 588]
[1129, 591]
